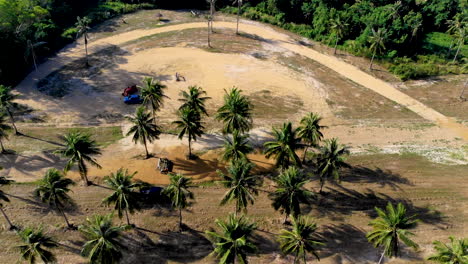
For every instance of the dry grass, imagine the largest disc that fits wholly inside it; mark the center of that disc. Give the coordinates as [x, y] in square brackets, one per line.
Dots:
[437, 193]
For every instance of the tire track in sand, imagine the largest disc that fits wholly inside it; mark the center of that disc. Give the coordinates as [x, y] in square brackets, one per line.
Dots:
[273, 37]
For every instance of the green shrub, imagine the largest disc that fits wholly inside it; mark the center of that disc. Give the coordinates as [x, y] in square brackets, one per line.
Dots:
[69, 33]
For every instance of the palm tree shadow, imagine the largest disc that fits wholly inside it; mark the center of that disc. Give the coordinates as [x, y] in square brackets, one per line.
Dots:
[199, 166]
[266, 244]
[385, 178]
[43, 140]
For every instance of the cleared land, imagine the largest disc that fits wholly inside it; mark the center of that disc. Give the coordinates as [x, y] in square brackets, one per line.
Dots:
[278, 72]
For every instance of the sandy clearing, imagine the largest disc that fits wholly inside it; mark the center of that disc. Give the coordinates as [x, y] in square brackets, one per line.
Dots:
[272, 37]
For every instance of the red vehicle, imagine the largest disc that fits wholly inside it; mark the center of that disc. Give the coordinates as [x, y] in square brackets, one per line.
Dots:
[130, 90]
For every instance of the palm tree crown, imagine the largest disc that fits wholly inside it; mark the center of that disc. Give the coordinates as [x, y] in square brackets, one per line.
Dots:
[189, 123]
[310, 131]
[290, 192]
[234, 241]
[377, 41]
[456, 252]
[300, 240]
[284, 146]
[194, 99]
[4, 131]
[143, 128]
[242, 186]
[79, 149]
[153, 94]
[390, 227]
[35, 245]
[236, 113]
[7, 103]
[330, 160]
[124, 196]
[237, 147]
[53, 190]
[179, 193]
[102, 246]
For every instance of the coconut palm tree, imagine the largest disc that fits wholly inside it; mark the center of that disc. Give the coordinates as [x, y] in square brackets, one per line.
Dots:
[300, 240]
[82, 28]
[179, 193]
[194, 99]
[212, 13]
[284, 146]
[189, 123]
[4, 131]
[377, 41]
[3, 197]
[143, 128]
[310, 131]
[330, 160]
[290, 192]
[460, 34]
[338, 28]
[236, 113]
[242, 186]
[80, 149]
[390, 228]
[124, 196]
[237, 147]
[153, 94]
[103, 245]
[53, 190]
[239, 4]
[35, 245]
[455, 252]
[234, 241]
[7, 103]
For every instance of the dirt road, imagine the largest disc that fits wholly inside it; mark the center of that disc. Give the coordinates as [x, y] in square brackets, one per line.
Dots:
[273, 37]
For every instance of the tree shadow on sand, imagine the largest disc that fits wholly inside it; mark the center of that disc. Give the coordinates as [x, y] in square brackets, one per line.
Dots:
[385, 178]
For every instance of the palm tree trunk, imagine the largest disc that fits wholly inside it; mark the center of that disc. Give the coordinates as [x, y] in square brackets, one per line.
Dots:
[322, 182]
[238, 15]
[83, 173]
[7, 219]
[33, 56]
[372, 61]
[3, 148]
[12, 120]
[209, 44]
[336, 44]
[189, 148]
[146, 147]
[381, 257]
[450, 48]
[305, 154]
[64, 216]
[126, 215]
[180, 219]
[86, 50]
[460, 43]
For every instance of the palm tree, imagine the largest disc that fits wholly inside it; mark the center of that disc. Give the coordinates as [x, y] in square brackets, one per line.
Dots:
[239, 4]
[456, 252]
[236, 113]
[212, 13]
[80, 149]
[290, 192]
[6, 103]
[237, 147]
[452, 27]
[234, 241]
[189, 123]
[179, 193]
[3, 197]
[35, 245]
[338, 28]
[82, 27]
[310, 131]
[389, 228]
[194, 99]
[53, 190]
[284, 146]
[377, 41]
[153, 94]
[124, 196]
[330, 160]
[4, 130]
[241, 185]
[102, 246]
[143, 128]
[300, 240]
[461, 35]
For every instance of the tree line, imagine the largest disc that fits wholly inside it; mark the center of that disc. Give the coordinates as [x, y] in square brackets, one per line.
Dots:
[232, 240]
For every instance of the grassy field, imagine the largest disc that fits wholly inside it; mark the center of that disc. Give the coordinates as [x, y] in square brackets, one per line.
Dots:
[436, 193]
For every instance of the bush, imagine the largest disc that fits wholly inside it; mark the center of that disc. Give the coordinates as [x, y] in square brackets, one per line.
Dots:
[70, 33]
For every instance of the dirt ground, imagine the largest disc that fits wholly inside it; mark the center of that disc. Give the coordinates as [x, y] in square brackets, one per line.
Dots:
[402, 149]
